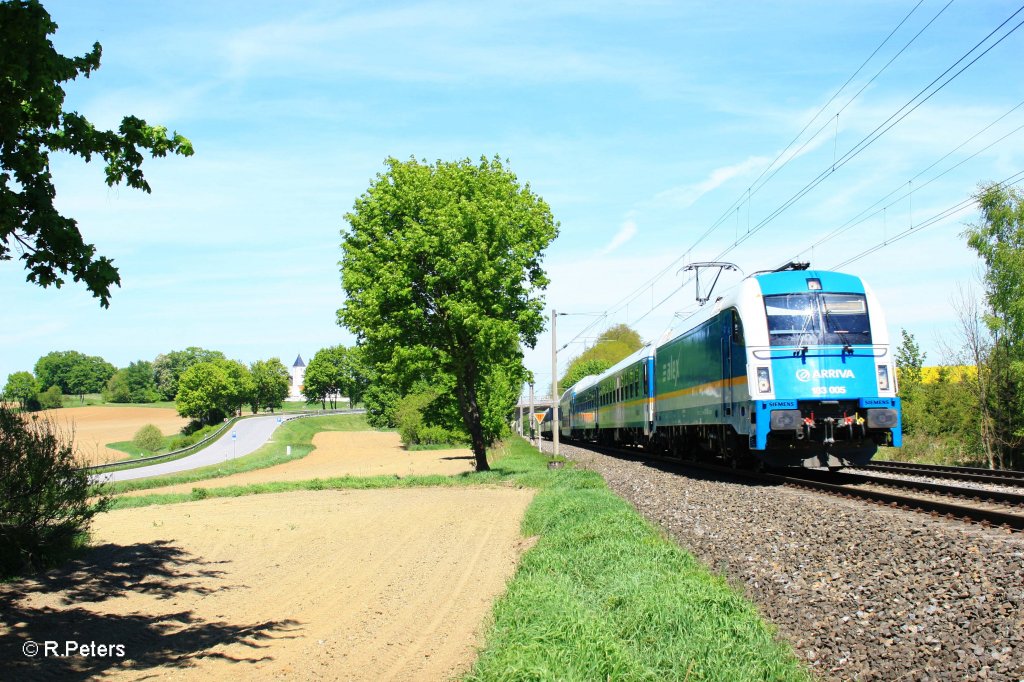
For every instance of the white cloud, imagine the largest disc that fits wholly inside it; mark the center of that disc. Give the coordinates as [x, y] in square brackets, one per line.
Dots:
[625, 233]
[685, 196]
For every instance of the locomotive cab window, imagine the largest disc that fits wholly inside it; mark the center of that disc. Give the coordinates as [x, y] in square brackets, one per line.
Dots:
[791, 319]
[846, 319]
[817, 319]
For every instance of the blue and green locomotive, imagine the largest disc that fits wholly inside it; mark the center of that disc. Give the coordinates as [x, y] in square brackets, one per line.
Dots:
[794, 368]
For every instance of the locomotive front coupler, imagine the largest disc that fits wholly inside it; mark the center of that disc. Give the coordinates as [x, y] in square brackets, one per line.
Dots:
[830, 430]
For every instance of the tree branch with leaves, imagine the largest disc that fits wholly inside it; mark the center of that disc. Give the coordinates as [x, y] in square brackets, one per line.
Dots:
[33, 123]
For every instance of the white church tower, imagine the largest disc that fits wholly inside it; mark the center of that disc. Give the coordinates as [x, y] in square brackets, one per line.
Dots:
[298, 375]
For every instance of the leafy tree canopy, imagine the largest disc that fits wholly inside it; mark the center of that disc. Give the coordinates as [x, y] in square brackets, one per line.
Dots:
[442, 269]
[580, 369]
[72, 372]
[613, 345]
[909, 363]
[133, 384]
[201, 392]
[334, 372]
[999, 241]
[268, 385]
[21, 386]
[33, 123]
[168, 368]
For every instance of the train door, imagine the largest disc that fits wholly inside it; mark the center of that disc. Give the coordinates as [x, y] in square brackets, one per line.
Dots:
[728, 321]
[645, 393]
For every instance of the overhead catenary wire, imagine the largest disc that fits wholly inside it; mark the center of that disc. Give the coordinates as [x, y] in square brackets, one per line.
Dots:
[869, 213]
[881, 129]
[753, 189]
[909, 107]
[649, 283]
[929, 222]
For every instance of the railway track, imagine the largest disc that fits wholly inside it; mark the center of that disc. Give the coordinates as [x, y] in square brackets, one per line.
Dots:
[1007, 478]
[975, 505]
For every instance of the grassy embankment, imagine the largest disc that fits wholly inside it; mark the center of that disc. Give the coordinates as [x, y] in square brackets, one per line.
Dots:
[602, 595]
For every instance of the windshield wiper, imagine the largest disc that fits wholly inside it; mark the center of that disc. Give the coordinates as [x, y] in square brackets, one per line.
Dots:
[847, 348]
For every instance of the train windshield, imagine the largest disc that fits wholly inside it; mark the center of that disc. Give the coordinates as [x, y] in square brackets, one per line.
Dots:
[817, 319]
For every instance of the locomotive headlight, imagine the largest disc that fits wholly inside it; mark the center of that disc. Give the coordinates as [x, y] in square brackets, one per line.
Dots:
[882, 419]
[883, 377]
[786, 420]
[764, 380]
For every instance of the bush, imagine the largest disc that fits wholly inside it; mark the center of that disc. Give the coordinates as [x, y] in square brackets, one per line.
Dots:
[148, 438]
[414, 427]
[46, 502]
[437, 435]
[409, 416]
[51, 398]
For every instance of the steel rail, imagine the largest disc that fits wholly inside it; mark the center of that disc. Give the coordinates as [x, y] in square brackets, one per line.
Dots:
[979, 494]
[985, 517]
[998, 477]
[973, 514]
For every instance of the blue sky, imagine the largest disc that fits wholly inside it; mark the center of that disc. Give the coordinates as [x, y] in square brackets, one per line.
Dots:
[643, 125]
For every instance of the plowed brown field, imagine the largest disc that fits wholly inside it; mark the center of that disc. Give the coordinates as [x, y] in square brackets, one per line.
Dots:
[345, 453]
[337, 585]
[95, 426]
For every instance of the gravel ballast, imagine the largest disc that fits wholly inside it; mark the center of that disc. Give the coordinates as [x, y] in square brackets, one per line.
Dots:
[862, 592]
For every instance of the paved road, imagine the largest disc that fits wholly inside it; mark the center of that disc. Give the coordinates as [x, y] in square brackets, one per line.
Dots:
[249, 434]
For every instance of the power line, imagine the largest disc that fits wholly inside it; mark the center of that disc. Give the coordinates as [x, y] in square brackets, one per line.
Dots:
[648, 284]
[837, 164]
[880, 130]
[864, 215]
[933, 220]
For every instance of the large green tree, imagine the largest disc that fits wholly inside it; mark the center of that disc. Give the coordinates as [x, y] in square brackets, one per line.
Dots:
[333, 372]
[72, 372]
[269, 383]
[168, 367]
[23, 387]
[998, 239]
[201, 392]
[442, 271]
[33, 123]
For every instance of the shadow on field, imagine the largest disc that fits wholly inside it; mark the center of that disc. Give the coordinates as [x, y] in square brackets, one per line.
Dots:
[105, 574]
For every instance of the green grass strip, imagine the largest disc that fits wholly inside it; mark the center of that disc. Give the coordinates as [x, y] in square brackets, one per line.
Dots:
[604, 596]
[298, 433]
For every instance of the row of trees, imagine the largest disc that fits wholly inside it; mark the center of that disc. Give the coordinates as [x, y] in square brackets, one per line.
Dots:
[210, 390]
[73, 373]
[219, 386]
